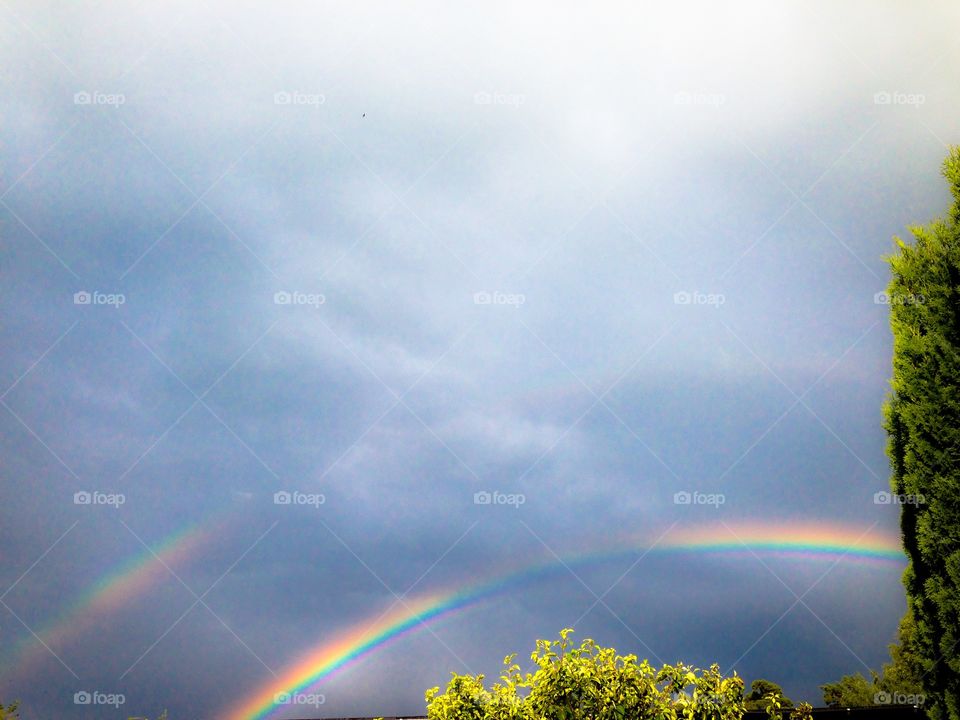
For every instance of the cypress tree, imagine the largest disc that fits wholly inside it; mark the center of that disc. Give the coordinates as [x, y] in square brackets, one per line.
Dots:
[922, 419]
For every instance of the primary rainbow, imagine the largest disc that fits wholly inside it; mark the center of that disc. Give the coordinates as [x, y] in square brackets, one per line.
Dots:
[115, 589]
[809, 541]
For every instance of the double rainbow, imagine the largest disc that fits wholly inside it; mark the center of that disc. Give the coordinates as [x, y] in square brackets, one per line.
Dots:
[805, 542]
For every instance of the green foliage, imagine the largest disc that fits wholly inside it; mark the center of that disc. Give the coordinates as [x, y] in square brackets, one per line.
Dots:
[760, 690]
[773, 702]
[588, 682]
[803, 711]
[922, 419]
[850, 691]
[903, 674]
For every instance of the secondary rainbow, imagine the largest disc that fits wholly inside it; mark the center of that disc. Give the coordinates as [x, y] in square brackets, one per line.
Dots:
[809, 541]
[132, 579]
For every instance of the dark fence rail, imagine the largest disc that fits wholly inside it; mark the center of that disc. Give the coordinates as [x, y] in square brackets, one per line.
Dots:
[875, 712]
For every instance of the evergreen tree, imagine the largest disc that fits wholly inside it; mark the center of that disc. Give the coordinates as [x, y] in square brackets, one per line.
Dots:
[923, 426]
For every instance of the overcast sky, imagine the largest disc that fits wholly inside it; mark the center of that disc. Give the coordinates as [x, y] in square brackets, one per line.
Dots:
[392, 257]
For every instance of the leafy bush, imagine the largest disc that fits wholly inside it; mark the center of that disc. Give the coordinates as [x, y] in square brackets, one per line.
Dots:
[803, 711]
[776, 705]
[590, 683]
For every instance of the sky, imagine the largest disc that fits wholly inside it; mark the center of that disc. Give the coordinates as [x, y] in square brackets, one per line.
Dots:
[349, 345]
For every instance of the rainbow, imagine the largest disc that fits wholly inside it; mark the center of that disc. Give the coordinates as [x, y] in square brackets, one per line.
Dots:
[805, 542]
[132, 579]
